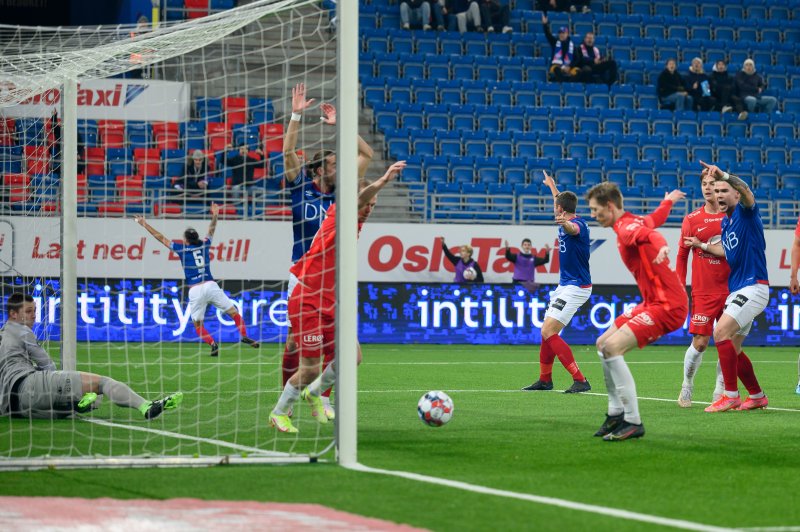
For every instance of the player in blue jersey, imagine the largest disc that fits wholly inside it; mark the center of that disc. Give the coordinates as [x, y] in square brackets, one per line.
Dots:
[743, 245]
[574, 288]
[312, 192]
[203, 289]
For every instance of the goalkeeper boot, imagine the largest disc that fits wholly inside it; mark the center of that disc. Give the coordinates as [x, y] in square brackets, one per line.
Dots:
[626, 431]
[754, 404]
[724, 403]
[250, 342]
[539, 385]
[170, 402]
[611, 424]
[685, 397]
[317, 408]
[281, 422]
[330, 413]
[214, 349]
[85, 404]
[579, 387]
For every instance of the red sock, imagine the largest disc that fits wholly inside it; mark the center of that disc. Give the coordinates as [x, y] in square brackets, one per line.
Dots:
[728, 363]
[564, 354]
[290, 363]
[546, 358]
[203, 333]
[237, 319]
[327, 360]
[747, 375]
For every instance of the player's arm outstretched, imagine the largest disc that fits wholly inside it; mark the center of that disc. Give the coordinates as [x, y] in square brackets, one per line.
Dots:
[747, 198]
[365, 152]
[551, 184]
[213, 225]
[371, 190]
[150, 229]
[713, 246]
[660, 215]
[291, 162]
[510, 256]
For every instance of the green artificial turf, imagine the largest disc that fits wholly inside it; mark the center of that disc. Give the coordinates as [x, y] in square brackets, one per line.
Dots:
[736, 469]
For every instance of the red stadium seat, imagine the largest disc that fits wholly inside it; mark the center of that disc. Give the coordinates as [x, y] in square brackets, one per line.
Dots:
[196, 8]
[18, 186]
[219, 136]
[112, 133]
[111, 209]
[272, 136]
[166, 135]
[7, 128]
[37, 160]
[148, 161]
[167, 209]
[130, 188]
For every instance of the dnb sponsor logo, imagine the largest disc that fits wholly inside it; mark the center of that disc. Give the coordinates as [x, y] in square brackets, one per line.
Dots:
[89, 97]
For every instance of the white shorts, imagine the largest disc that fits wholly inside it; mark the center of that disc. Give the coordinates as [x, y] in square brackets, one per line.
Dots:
[565, 302]
[745, 304]
[293, 280]
[200, 295]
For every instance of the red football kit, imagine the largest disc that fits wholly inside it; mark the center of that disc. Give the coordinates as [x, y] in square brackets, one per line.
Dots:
[709, 273]
[312, 305]
[664, 303]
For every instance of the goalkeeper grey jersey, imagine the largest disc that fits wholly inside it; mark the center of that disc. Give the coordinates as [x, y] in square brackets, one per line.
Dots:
[20, 355]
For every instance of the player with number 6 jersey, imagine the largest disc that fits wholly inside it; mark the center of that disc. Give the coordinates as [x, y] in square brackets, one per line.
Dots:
[203, 289]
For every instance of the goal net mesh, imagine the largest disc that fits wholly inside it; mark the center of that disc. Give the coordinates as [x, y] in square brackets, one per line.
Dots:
[150, 101]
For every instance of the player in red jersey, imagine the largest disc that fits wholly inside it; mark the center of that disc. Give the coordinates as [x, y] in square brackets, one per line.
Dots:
[709, 283]
[312, 310]
[645, 253]
[794, 286]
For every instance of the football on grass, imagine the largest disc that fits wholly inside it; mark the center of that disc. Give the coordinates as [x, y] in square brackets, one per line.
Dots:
[435, 409]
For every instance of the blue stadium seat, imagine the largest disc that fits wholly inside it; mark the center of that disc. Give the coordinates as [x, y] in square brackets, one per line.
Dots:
[450, 44]
[550, 96]
[411, 116]
[399, 90]
[652, 149]
[462, 117]
[562, 120]
[448, 143]
[475, 144]
[512, 118]
[590, 171]
[628, 147]
[437, 67]
[775, 151]
[525, 93]
[426, 44]
[463, 174]
[576, 145]
[437, 116]
[500, 144]
[537, 119]
[499, 44]
[616, 171]
[526, 144]
[387, 65]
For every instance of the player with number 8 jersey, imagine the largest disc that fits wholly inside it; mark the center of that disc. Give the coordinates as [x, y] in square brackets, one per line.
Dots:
[203, 289]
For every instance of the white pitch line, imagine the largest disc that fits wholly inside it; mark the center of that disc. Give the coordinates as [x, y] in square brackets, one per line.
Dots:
[548, 501]
[793, 528]
[180, 436]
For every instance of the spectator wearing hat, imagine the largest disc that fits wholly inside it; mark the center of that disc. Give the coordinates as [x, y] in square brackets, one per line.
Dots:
[195, 176]
[564, 63]
[750, 87]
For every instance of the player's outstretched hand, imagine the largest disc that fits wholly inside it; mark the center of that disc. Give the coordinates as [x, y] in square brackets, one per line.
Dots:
[691, 242]
[394, 170]
[794, 286]
[663, 254]
[675, 196]
[328, 114]
[712, 169]
[214, 209]
[506, 243]
[139, 219]
[299, 102]
[548, 179]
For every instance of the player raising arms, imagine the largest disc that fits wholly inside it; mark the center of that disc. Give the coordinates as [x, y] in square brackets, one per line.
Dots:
[574, 288]
[203, 289]
[663, 309]
[709, 281]
[312, 192]
[743, 245]
[312, 311]
[32, 387]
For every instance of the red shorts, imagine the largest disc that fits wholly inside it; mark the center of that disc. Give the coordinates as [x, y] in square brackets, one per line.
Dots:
[651, 322]
[705, 309]
[314, 331]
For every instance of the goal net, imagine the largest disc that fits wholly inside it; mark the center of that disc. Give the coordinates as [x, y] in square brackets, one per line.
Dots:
[169, 121]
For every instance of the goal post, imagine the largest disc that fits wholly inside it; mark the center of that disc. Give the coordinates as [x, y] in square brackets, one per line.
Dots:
[109, 299]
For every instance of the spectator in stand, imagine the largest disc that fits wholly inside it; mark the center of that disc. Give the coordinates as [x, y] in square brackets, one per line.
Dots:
[596, 68]
[564, 64]
[463, 13]
[572, 6]
[750, 87]
[194, 182]
[699, 86]
[495, 15]
[243, 167]
[416, 13]
[672, 88]
[723, 89]
[467, 268]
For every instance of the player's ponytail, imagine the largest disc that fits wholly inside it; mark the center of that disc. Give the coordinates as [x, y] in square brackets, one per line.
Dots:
[191, 236]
